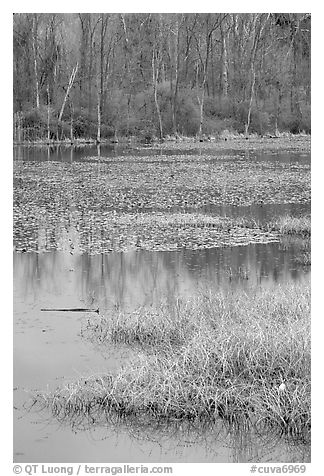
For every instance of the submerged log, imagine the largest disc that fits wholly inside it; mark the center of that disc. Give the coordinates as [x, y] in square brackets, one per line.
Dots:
[75, 309]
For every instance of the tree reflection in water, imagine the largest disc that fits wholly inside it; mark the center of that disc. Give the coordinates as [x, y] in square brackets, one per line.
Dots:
[139, 277]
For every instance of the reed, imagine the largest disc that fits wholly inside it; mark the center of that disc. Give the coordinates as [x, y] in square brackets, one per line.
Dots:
[287, 225]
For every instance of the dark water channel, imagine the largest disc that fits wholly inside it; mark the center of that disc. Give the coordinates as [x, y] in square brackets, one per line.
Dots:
[49, 350]
[59, 153]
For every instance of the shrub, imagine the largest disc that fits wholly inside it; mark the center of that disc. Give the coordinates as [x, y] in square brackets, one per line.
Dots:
[221, 108]
[81, 126]
[32, 118]
[260, 122]
[188, 115]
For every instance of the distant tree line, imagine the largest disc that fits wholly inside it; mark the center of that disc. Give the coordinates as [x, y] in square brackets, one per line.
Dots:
[102, 75]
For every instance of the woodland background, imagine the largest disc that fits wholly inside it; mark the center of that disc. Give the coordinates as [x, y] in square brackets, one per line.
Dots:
[108, 75]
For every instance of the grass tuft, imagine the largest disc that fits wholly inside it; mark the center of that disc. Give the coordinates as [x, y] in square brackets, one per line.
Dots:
[216, 356]
[287, 225]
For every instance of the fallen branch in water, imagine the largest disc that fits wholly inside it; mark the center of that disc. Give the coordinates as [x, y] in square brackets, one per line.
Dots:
[76, 309]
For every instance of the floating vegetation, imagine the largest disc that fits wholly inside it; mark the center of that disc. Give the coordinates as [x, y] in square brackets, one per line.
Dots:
[242, 358]
[147, 231]
[286, 141]
[111, 204]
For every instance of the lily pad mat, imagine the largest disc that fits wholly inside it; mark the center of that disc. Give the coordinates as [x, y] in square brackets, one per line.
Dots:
[110, 204]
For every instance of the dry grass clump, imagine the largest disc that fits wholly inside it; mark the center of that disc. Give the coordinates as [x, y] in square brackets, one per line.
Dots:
[300, 245]
[288, 225]
[241, 357]
[164, 325]
[298, 230]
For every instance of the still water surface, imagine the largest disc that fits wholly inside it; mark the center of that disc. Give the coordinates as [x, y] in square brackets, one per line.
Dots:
[49, 350]
[91, 152]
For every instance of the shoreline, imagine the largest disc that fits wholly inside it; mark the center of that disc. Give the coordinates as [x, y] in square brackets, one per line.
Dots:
[225, 141]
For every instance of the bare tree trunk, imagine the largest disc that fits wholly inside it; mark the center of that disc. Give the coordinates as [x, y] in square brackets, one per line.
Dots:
[101, 79]
[155, 73]
[210, 24]
[91, 48]
[100, 87]
[128, 81]
[224, 63]
[256, 38]
[48, 115]
[71, 123]
[84, 43]
[99, 118]
[278, 110]
[35, 58]
[201, 101]
[17, 131]
[247, 125]
[89, 80]
[71, 81]
[296, 101]
[176, 86]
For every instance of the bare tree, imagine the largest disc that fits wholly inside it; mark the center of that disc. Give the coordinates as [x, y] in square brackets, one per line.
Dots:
[209, 24]
[35, 53]
[224, 75]
[156, 69]
[256, 33]
[69, 87]
[175, 25]
[100, 87]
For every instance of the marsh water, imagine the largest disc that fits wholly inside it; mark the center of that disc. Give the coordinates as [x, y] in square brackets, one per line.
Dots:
[49, 349]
